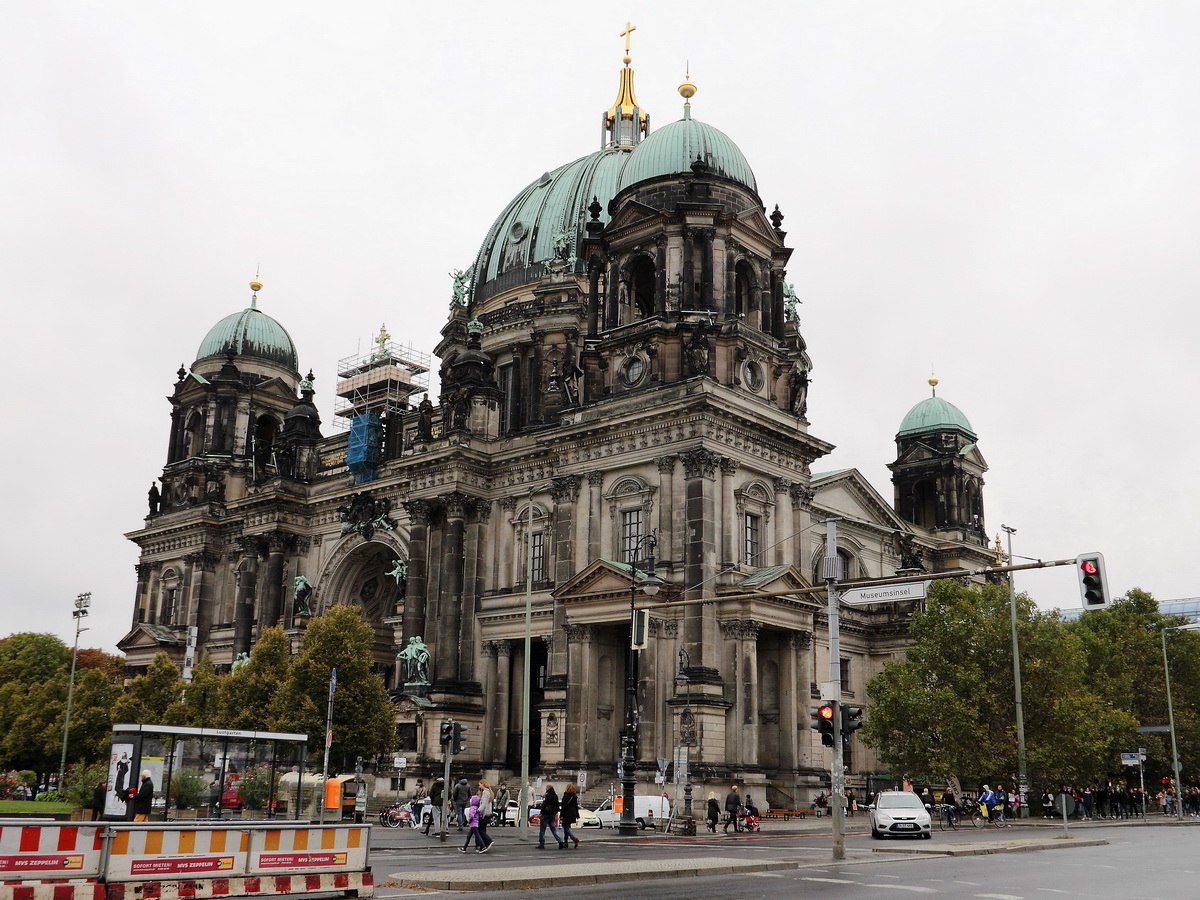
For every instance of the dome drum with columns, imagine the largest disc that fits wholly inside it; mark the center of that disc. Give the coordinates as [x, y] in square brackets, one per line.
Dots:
[622, 361]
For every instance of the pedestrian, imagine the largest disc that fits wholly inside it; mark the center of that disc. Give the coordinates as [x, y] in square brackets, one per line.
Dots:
[486, 800]
[713, 815]
[851, 803]
[419, 793]
[473, 824]
[546, 816]
[214, 798]
[502, 805]
[436, 796]
[143, 800]
[99, 795]
[461, 797]
[733, 802]
[570, 815]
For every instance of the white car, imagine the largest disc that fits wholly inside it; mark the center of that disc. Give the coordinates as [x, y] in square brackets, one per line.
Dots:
[900, 813]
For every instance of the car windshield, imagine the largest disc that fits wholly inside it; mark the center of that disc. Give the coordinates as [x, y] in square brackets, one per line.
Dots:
[903, 800]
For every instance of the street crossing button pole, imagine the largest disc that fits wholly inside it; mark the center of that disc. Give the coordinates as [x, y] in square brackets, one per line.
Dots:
[837, 777]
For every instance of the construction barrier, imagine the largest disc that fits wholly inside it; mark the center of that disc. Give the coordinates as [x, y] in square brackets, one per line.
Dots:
[110, 862]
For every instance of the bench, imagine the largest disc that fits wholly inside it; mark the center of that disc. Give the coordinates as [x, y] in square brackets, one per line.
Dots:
[798, 813]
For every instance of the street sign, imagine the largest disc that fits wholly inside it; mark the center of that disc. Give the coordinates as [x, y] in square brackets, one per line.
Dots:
[886, 593]
[581, 778]
[1132, 759]
[1153, 729]
[662, 763]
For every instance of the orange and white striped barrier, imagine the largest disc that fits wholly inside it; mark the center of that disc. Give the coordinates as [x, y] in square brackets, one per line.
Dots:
[301, 849]
[50, 851]
[173, 851]
[360, 883]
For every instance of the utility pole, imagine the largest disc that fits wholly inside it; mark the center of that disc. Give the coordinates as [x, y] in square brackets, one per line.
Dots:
[1022, 780]
[837, 775]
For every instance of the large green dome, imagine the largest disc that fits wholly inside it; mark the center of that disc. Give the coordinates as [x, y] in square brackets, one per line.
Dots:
[935, 414]
[672, 149]
[252, 334]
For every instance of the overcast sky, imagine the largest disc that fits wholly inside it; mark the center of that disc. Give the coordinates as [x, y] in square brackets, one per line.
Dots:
[1003, 193]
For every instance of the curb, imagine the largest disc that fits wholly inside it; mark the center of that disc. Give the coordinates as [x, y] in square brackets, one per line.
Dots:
[991, 849]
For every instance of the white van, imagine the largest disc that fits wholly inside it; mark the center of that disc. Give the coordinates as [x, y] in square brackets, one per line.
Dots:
[650, 811]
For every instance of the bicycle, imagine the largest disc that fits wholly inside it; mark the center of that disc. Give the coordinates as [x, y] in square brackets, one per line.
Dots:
[948, 817]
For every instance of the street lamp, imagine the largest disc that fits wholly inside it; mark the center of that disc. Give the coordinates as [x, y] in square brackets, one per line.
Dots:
[1171, 712]
[1022, 785]
[686, 739]
[82, 602]
[649, 585]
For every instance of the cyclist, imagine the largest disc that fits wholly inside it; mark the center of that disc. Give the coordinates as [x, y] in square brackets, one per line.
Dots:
[988, 800]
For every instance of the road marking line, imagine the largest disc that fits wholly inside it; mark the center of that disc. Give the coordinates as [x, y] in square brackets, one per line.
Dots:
[1001, 896]
[905, 887]
[767, 874]
[830, 880]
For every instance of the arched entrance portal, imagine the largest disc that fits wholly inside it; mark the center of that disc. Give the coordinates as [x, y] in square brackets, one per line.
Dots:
[363, 574]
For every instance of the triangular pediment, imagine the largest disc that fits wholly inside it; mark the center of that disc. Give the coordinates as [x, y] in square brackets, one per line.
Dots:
[144, 636]
[849, 494]
[631, 214]
[773, 578]
[600, 578]
[755, 222]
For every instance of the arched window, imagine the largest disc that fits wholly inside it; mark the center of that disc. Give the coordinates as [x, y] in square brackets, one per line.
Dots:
[743, 290]
[193, 436]
[924, 495]
[643, 283]
[265, 430]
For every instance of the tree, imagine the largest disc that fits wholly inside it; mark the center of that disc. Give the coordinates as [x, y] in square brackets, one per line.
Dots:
[363, 715]
[949, 707]
[153, 698]
[201, 698]
[246, 696]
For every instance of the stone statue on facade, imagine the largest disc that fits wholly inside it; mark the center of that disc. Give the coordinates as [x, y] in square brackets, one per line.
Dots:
[798, 381]
[155, 499]
[399, 574]
[416, 661]
[696, 352]
[240, 662]
[571, 376]
[462, 278]
[790, 302]
[425, 420]
[302, 597]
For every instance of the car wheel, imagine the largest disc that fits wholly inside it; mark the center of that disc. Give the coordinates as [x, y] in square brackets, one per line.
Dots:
[927, 835]
[875, 834]
[641, 823]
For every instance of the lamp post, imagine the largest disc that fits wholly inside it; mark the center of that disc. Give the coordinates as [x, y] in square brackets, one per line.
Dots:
[1171, 712]
[82, 602]
[649, 585]
[1022, 782]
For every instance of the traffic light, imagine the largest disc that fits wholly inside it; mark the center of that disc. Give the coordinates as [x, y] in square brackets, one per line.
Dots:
[1093, 586]
[459, 743]
[824, 723]
[638, 633]
[851, 721]
[445, 734]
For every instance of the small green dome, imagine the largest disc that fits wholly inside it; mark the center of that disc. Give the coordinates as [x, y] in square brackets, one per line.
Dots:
[935, 414]
[672, 149]
[251, 334]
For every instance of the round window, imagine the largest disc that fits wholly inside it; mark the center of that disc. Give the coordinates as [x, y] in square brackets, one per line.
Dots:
[633, 370]
[753, 376]
[517, 232]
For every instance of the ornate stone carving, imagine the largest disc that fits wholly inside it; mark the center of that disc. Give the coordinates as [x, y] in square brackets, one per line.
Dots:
[488, 648]
[595, 479]
[802, 496]
[551, 737]
[203, 559]
[687, 727]
[671, 627]
[418, 511]
[742, 629]
[577, 633]
[800, 640]
[503, 648]
[729, 466]
[508, 504]
[565, 488]
[666, 464]
[457, 504]
[699, 463]
[364, 513]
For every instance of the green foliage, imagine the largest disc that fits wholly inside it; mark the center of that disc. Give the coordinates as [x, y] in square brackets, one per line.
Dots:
[188, 789]
[949, 706]
[363, 715]
[254, 787]
[245, 697]
[201, 697]
[81, 782]
[153, 698]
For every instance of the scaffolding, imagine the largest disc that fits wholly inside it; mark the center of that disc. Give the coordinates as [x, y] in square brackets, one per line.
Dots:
[380, 382]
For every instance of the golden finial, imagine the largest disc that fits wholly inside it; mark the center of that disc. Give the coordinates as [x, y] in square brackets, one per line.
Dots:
[933, 383]
[629, 29]
[687, 90]
[999, 550]
[255, 287]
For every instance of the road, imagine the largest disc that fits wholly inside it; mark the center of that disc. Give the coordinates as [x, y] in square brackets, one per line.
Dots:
[1140, 861]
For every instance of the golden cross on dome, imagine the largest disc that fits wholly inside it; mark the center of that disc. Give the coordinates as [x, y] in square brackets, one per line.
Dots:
[383, 338]
[629, 29]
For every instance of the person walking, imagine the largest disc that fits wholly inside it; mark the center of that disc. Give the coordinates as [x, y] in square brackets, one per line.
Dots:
[461, 797]
[473, 824]
[713, 815]
[570, 815]
[99, 796]
[546, 816]
[436, 796]
[733, 802]
[502, 805]
[143, 801]
[486, 801]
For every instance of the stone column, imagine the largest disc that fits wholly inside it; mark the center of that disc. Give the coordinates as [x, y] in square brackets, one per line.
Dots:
[595, 482]
[700, 554]
[669, 541]
[202, 601]
[580, 711]
[731, 550]
[508, 546]
[473, 585]
[491, 711]
[741, 726]
[140, 603]
[785, 526]
[416, 591]
[449, 626]
[801, 496]
[247, 583]
[503, 701]
[565, 491]
[277, 542]
[793, 699]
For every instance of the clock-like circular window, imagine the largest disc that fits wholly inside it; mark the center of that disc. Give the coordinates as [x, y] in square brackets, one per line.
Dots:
[633, 371]
[752, 375]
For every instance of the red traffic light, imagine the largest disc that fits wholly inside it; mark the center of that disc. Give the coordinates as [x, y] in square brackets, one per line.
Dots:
[825, 712]
[1089, 567]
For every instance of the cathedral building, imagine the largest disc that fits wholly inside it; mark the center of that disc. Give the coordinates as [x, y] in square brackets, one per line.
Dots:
[623, 393]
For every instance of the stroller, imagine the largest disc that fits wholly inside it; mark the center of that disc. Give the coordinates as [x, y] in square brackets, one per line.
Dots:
[750, 817]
